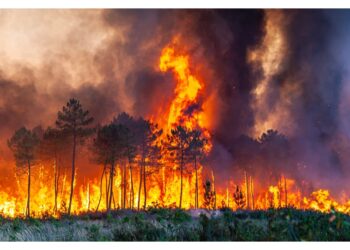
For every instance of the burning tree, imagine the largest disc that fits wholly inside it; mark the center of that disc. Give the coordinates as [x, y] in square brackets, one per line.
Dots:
[100, 152]
[274, 149]
[178, 146]
[52, 147]
[149, 153]
[239, 198]
[109, 147]
[24, 144]
[209, 195]
[130, 150]
[74, 121]
[196, 147]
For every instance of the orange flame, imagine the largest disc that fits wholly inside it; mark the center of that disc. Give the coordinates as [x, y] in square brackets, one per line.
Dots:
[162, 186]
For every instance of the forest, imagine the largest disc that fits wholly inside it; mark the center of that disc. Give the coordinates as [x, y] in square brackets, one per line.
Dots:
[134, 142]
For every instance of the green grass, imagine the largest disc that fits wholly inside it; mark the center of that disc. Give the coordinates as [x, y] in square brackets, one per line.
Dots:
[159, 224]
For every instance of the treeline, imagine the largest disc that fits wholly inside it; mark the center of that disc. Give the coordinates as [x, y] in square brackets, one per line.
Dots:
[125, 141]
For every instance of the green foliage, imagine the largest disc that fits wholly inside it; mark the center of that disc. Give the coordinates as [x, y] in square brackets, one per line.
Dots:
[180, 216]
[34, 222]
[94, 233]
[141, 230]
[159, 224]
[109, 218]
[16, 225]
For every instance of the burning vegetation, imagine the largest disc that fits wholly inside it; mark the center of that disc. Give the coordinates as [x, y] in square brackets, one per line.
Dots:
[200, 142]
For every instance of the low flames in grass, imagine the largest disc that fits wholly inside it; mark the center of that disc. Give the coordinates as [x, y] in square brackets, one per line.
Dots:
[176, 178]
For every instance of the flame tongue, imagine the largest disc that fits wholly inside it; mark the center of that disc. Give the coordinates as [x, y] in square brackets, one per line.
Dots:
[186, 91]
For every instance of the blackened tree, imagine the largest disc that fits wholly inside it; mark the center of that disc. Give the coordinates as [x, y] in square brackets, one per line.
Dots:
[24, 145]
[209, 195]
[178, 145]
[74, 121]
[150, 154]
[196, 148]
[275, 152]
[239, 198]
[52, 148]
[100, 150]
[130, 123]
[109, 147]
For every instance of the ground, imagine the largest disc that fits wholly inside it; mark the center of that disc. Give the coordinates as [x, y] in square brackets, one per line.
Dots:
[179, 225]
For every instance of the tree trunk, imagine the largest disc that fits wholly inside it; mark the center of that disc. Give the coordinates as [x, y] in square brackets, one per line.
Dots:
[131, 193]
[247, 190]
[56, 184]
[252, 192]
[113, 202]
[103, 173]
[280, 191]
[124, 188]
[196, 195]
[144, 187]
[107, 187]
[164, 184]
[181, 173]
[214, 189]
[111, 187]
[140, 185]
[285, 192]
[28, 192]
[73, 175]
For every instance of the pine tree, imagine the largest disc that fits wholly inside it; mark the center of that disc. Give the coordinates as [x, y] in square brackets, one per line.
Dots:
[178, 145]
[74, 121]
[24, 145]
[197, 143]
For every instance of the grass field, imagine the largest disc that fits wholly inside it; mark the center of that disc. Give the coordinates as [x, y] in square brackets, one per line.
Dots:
[179, 225]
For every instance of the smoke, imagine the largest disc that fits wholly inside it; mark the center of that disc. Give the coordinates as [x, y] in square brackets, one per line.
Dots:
[283, 70]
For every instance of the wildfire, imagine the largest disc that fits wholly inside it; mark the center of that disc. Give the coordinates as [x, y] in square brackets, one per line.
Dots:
[185, 109]
[163, 186]
[186, 91]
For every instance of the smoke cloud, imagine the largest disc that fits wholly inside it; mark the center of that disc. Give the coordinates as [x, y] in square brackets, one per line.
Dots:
[108, 59]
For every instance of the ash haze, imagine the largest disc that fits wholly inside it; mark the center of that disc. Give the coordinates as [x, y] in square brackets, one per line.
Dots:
[282, 70]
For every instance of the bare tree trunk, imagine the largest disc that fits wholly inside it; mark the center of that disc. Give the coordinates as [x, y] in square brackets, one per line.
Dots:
[140, 184]
[181, 173]
[73, 176]
[212, 173]
[280, 191]
[28, 192]
[247, 189]
[196, 195]
[103, 173]
[164, 183]
[252, 192]
[56, 184]
[124, 188]
[144, 187]
[88, 193]
[107, 187]
[111, 187]
[131, 194]
[113, 202]
[285, 192]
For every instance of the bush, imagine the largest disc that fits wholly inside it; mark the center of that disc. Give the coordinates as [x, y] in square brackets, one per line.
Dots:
[94, 233]
[160, 224]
